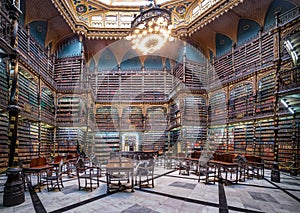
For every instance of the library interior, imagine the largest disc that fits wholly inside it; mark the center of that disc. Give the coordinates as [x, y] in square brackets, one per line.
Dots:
[149, 106]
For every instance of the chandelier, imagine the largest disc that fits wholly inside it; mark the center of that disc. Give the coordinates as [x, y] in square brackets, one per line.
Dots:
[151, 29]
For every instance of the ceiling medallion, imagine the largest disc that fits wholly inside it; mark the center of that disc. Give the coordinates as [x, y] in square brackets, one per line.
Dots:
[151, 29]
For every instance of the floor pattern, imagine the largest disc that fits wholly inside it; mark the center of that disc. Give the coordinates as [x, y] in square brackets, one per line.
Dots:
[172, 193]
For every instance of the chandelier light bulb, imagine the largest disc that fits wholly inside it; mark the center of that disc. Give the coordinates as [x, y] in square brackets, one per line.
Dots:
[151, 29]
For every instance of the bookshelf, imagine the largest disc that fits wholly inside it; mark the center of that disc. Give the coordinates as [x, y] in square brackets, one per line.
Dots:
[243, 138]
[71, 109]
[194, 137]
[106, 85]
[67, 139]
[28, 94]
[265, 95]
[28, 135]
[216, 139]
[217, 108]
[154, 137]
[267, 49]
[4, 149]
[107, 118]
[67, 73]
[3, 86]
[156, 118]
[286, 148]
[47, 105]
[246, 58]
[154, 140]
[46, 139]
[174, 116]
[297, 142]
[132, 118]
[264, 135]
[195, 75]
[178, 75]
[241, 101]
[224, 68]
[106, 142]
[35, 56]
[194, 111]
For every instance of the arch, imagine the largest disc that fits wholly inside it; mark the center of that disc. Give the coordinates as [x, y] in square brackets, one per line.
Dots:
[107, 61]
[223, 44]
[69, 47]
[194, 54]
[92, 65]
[153, 62]
[131, 61]
[38, 30]
[247, 29]
[276, 6]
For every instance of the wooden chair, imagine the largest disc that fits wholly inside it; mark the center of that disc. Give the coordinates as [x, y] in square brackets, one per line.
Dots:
[87, 173]
[54, 178]
[146, 169]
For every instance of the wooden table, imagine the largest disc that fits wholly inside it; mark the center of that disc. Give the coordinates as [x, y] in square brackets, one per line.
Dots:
[122, 170]
[37, 170]
[227, 167]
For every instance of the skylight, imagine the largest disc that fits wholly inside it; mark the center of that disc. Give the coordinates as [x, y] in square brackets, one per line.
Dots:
[130, 2]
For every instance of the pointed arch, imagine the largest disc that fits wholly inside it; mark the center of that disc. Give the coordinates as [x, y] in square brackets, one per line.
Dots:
[247, 29]
[107, 61]
[131, 61]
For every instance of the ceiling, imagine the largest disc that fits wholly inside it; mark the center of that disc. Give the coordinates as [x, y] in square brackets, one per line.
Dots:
[201, 31]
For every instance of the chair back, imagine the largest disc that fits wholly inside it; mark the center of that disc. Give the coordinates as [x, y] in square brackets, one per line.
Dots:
[40, 161]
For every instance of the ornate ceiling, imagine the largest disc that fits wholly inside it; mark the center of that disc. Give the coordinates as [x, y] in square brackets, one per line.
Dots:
[102, 22]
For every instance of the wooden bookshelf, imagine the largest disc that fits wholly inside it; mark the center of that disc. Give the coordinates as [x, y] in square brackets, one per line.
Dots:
[71, 109]
[178, 75]
[224, 68]
[195, 75]
[286, 148]
[174, 137]
[28, 94]
[264, 135]
[174, 115]
[47, 105]
[28, 135]
[194, 136]
[243, 138]
[156, 118]
[241, 101]
[216, 139]
[194, 111]
[246, 58]
[67, 73]
[106, 142]
[107, 118]
[132, 118]
[67, 139]
[265, 95]
[46, 140]
[267, 49]
[3, 86]
[154, 140]
[4, 148]
[217, 108]
[35, 56]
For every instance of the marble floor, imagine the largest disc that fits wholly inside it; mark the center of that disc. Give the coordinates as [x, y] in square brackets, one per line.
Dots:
[172, 193]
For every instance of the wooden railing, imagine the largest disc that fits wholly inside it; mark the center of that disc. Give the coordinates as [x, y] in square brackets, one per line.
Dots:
[289, 16]
[289, 79]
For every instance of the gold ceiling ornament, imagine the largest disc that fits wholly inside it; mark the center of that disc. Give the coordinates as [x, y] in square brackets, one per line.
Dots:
[151, 29]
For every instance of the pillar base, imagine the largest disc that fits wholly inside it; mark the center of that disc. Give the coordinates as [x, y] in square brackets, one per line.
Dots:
[13, 188]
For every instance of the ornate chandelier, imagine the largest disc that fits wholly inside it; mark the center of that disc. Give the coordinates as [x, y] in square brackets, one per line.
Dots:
[151, 29]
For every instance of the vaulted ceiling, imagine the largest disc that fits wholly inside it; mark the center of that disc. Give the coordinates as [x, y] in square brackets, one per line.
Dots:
[222, 18]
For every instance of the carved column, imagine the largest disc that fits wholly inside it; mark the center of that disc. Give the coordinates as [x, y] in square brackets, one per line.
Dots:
[14, 188]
